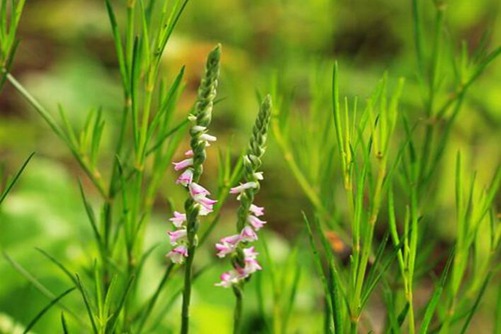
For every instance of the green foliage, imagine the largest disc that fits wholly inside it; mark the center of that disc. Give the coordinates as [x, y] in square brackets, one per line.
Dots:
[397, 186]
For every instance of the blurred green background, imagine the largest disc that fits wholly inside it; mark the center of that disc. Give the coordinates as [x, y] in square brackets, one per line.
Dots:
[67, 57]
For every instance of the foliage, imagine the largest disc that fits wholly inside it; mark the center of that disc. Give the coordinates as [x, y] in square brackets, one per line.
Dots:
[396, 196]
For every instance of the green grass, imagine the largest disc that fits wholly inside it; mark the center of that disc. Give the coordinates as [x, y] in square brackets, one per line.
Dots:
[381, 181]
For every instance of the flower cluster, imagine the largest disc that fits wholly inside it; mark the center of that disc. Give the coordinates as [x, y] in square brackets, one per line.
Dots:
[244, 258]
[184, 238]
[198, 194]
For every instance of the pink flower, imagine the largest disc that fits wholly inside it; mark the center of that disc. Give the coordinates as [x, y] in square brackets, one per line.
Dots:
[256, 210]
[239, 189]
[198, 194]
[250, 253]
[248, 234]
[183, 164]
[178, 254]
[176, 235]
[251, 266]
[255, 222]
[227, 245]
[229, 278]
[178, 219]
[206, 205]
[186, 177]
[188, 153]
[197, 190]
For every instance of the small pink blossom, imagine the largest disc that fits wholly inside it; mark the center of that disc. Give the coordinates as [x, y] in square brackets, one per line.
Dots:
[206, 204]
[248, 234]
[256, 210]
[199, 193]
[186, 177]
[229, 278]
[188, 153]
[178, 219]
[205, 210]
[197, 190]
[239, 189]
[176, 236]
[255, 222]
[251, 266]
[178, 254]
[250, 253]
[183, 164]
[227, 245]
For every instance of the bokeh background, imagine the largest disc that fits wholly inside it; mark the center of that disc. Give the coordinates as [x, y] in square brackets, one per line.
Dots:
[67, 57]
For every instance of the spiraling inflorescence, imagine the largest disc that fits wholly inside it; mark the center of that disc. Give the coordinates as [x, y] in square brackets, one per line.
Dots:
[197, 204]
[244, 257]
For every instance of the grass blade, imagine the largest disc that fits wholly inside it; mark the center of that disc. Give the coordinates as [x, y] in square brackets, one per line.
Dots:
[15, 178]
[63, 324]
[46, 308]
[473, 310]
[86, 300]
[323, 276]
[432, 304]
[59, 264]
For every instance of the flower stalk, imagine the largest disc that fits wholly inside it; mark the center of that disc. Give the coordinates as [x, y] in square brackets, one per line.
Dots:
[197, 204]
[243, 257]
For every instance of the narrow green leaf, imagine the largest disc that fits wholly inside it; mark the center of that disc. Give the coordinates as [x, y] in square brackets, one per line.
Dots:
[148, 308]
[45, 309]
[172, 22]
[379, 268]
[474, 308]
[403, 314]
[9, 186]
[165, 105]
[292, 297]
[63, 324]
[113, 321]
[497, 312]
[435, 298]
[109, 299]
[59, 264]
[38, 285]
[325, 278]
[119, 48]
[90, 215]
[87, 303]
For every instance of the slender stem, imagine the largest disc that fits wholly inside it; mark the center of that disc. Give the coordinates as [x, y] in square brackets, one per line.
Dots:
[238, 290]
[185, 314]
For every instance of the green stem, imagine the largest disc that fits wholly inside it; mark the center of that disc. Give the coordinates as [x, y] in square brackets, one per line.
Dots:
[185, 314]
[237, 315]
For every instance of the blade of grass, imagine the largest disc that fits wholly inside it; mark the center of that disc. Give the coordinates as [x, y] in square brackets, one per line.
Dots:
[474, 308]
[86, 300]
[38, 285]
[151, 303]
[90, 215]
[113, 321]
[63, 324]
[323, 277]
[46, 308]
[58, 264]
[433, 302]
[15, 178]
[379, 268]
